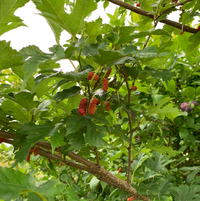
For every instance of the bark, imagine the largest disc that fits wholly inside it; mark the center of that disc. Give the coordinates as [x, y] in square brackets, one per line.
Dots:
[145, 13]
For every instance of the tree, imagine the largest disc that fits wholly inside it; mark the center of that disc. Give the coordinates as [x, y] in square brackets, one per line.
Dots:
[123, 125]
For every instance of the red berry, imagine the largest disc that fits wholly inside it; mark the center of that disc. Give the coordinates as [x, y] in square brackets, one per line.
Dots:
[60, 164]
[91, 74]
[83, 107]
[180, 8]
[138, 4]
[133, 87]
[93, 105]
[98, 102]
[81, 111]
[108, 73]
[2, 139]
[119, 170]
[35, 151]
[28, 158]
[130, 199]
[198, 28]
[105, 84]
[31, 151]
[107, 105]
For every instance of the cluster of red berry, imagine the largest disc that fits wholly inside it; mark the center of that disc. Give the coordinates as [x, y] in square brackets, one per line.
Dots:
[82, 109]
[91, 74]
[34, 151]
[93, 105]
[105, 84]
[187, 106]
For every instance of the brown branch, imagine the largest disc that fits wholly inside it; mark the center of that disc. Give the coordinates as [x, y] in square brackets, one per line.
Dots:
[129, 148]
[88, 166]
[146, 13]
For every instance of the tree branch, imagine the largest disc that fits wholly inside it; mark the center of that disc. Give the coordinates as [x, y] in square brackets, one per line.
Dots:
[146, 13]
[88, 166]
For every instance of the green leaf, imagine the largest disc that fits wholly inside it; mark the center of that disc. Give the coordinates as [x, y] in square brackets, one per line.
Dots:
[147, 52]
[138, 161]
[183, 133]
[8, 20]
[71, 194]
[192, 175]
[94, 182]
[107, 56]
[31, 64]
[94, 136]
[43, 87]
[73, 75]
[162, 149]
[43, 106]
[94, 29]
[194, 42]
[94, 133]
[9, 56]
[33, 197]
[127, 34]
[25, 99]
[66, 93]
[164, 107]
[189, 92]
[158, 163]
[76, 140]
[56, 138]
[15, 110]
[53, 11]
[33, 134]
[69, 51]
[13, 183]
[171, 86]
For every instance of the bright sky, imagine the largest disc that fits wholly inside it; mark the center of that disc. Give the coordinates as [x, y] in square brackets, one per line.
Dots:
[39, 33]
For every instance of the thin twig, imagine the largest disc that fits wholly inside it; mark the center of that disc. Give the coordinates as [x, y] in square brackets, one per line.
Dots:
[129, 149]
[148, 38]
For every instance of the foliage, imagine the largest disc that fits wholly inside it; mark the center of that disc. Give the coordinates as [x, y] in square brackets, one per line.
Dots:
[140, 75]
